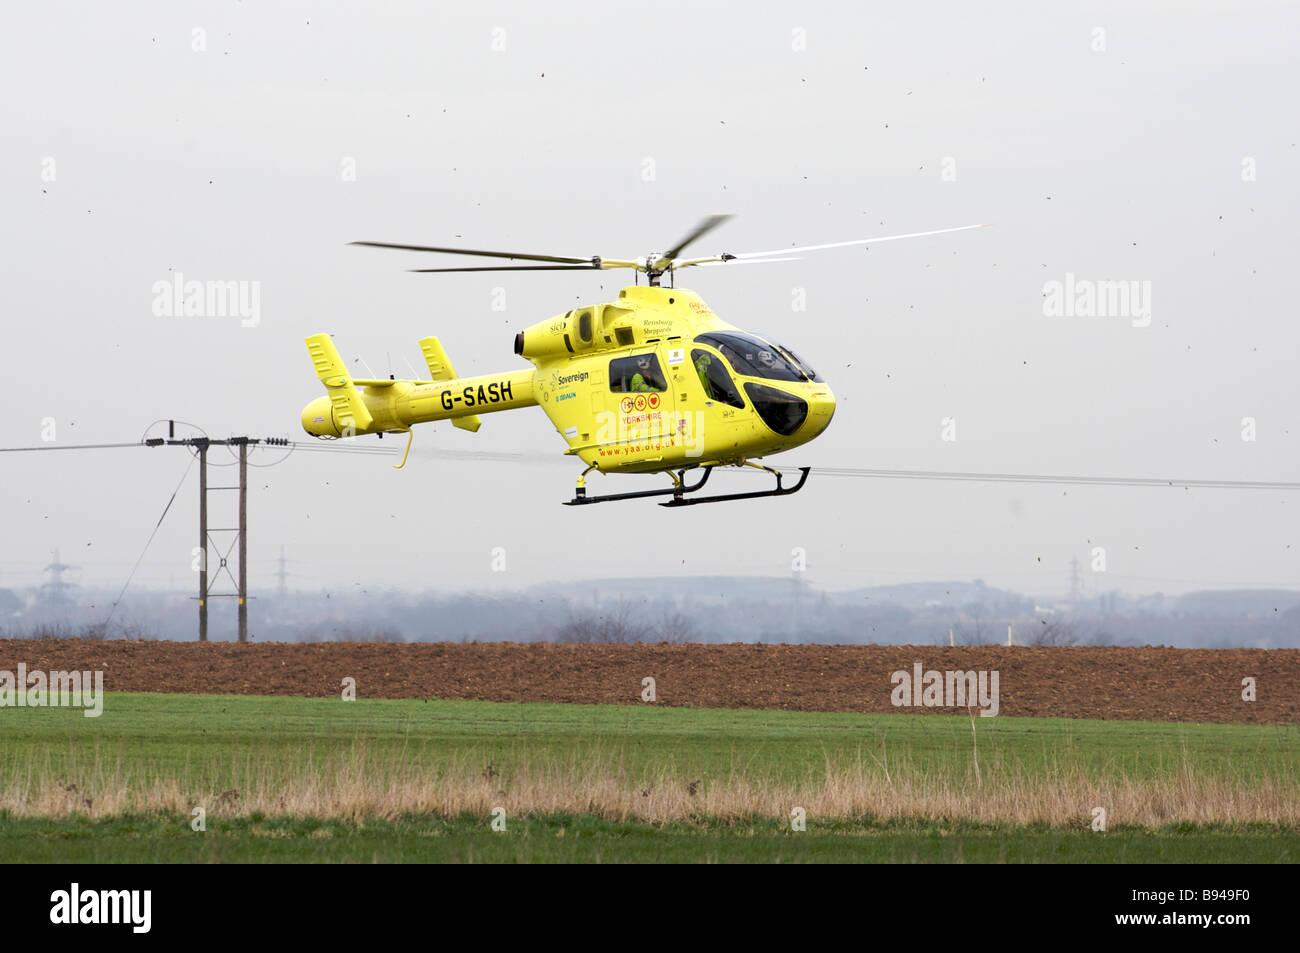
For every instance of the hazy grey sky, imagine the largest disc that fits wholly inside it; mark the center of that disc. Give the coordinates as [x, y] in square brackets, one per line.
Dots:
[1138, 142]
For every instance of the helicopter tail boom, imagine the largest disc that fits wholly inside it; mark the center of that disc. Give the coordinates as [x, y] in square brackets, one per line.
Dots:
[361, 406]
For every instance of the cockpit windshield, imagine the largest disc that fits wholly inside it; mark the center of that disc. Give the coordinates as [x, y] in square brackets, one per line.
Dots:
[798, 362]
[751, 356]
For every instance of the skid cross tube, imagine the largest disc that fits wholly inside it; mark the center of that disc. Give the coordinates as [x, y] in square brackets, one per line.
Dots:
[676, 491]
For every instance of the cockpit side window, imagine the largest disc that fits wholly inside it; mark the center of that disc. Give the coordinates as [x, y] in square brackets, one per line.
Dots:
[714, 378]
[753, 357]
[639, 373]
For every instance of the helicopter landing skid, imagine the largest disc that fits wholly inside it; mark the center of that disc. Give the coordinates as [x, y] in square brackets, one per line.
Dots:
[722, 498]
[681, 487]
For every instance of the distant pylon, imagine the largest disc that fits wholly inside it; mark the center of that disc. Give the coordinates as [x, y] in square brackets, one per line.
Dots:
[56, 588]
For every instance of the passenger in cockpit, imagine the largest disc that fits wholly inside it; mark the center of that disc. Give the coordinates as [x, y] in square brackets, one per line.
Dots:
[644, 379]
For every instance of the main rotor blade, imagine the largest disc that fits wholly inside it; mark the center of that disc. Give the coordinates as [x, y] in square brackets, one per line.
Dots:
[587, 267]
[859, 241]
[521, 256]
[710, 262]
[705, 226]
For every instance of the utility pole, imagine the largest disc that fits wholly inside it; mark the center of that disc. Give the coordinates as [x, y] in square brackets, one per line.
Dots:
[243, 539]
[1074, 579]
[203, 541]
[206, 579]
[56, 588]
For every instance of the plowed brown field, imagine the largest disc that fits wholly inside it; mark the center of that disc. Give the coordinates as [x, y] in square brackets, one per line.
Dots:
[1150, 684]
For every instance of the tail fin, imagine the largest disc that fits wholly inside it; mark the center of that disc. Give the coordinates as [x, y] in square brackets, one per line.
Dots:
[345, 401]
[440, 369]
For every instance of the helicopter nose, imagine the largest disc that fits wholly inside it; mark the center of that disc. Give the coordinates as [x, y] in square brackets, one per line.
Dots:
[821, 408]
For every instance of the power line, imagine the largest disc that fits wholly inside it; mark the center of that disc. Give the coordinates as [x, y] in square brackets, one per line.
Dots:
[1077, 480]
[291, 446]
[876, 473]
[156, 527]
[970, 477]
[79, 446]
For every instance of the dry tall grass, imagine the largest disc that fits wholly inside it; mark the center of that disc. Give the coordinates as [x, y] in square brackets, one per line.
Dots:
[352, 783]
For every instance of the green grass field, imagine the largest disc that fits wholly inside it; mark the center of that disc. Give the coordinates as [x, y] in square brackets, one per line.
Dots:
[290, 779]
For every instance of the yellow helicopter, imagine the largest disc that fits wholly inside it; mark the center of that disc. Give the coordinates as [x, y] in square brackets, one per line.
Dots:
[654, 382]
